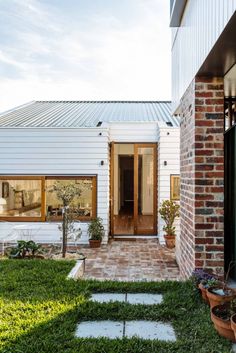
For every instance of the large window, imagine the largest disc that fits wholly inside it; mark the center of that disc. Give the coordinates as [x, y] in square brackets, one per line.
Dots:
[31, 198]
[83, 205]
[21, 197]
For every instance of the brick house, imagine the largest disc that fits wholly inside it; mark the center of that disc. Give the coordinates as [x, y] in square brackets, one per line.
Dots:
[204, 96]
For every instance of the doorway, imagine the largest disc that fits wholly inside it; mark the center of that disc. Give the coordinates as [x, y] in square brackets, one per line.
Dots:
[133, 189]
[230, 199]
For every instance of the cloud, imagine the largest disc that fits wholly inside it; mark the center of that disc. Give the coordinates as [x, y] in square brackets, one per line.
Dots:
[84, 51]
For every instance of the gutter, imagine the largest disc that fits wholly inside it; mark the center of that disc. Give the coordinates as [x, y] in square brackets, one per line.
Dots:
[177, 11]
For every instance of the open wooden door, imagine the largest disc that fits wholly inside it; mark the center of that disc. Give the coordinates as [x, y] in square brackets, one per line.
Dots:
[133, 201]
[145, 189]
[111, 189]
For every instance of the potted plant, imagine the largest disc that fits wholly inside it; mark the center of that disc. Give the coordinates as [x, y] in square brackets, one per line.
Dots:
[221, 316]
[221, 293]
[169, 210]
[233, 324]
[96, 232]
[204, 280]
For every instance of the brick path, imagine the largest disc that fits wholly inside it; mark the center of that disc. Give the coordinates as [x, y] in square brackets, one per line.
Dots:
[140, 260]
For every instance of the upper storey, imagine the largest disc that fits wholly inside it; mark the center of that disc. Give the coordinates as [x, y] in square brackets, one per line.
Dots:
[202, 41]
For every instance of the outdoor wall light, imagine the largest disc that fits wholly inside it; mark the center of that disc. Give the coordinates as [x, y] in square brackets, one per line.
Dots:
[102, 162]
[165, 163]
[100, 134]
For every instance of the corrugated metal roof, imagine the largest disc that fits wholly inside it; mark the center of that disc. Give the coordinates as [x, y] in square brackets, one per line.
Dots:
[87, 113]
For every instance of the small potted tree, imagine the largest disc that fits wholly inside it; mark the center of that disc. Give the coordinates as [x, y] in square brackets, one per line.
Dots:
[169, 210]
[96, 232]
[66, 193]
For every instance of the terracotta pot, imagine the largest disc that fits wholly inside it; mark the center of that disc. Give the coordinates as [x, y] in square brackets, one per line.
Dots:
[170, 241]
[233, 324]
[216, 299]
[94, 243]
[223, 327]
[203, 291]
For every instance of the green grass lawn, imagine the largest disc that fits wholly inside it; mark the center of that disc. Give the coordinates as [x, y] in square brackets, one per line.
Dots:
[39, 311]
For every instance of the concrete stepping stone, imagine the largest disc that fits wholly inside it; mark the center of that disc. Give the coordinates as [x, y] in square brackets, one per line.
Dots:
[131, 298]
[117, 329]
[108, 297]
[144, 298]
[150, 330]
[97, 329]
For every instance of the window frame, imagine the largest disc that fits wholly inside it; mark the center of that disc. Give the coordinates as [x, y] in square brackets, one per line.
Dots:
[43, 217]
[94, 195]
[23, 218]
[172, 197]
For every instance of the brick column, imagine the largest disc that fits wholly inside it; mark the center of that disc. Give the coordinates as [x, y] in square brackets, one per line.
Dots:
[202, 176]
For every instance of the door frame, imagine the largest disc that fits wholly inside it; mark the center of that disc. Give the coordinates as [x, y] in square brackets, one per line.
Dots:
[137, 145]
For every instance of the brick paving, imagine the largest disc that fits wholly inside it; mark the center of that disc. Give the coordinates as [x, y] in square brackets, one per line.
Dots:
[140, 260]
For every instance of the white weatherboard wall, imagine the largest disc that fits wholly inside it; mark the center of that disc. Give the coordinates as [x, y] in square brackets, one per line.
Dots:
[133, 132]
[57, 151]
[168, 151]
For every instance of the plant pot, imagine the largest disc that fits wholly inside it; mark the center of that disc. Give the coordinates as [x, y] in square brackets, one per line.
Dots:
[217, 299]
[170, 241]
[222, 326]
[233, 324]
[94, 243]
[203, 291]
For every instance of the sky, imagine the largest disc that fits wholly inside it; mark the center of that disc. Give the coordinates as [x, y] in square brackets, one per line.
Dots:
[84, 50]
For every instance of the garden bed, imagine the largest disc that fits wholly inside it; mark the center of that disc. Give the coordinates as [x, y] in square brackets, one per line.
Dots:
[40, 310]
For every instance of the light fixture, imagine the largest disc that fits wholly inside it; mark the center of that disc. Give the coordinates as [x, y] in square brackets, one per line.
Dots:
[165, 163]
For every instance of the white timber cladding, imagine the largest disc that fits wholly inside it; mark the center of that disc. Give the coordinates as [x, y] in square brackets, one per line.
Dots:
[58, 151]
[202, 23]
[79, 151]
[133, 132]
[168, 164]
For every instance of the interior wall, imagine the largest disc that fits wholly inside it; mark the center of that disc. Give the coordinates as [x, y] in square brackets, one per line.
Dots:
[119, 149]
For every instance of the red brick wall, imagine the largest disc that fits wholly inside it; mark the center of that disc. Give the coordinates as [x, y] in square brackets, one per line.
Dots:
[187, 170]
[202, 175]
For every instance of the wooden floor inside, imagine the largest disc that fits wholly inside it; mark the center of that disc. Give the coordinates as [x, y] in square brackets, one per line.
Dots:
[124, 224]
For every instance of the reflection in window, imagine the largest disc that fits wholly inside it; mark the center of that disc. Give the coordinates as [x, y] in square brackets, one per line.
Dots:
[82, 205]
[20, 198]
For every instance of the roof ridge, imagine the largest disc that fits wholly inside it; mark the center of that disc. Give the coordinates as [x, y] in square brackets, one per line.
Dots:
[101, 101]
